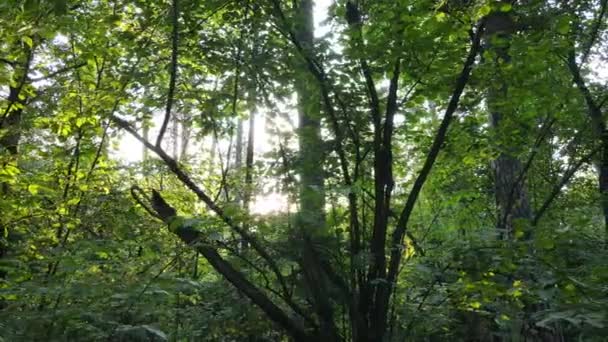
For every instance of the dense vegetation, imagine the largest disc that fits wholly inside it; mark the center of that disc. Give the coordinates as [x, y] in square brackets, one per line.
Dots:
[441, 168]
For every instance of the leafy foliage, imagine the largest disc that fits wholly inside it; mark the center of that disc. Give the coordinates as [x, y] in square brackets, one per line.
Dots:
[412, 239]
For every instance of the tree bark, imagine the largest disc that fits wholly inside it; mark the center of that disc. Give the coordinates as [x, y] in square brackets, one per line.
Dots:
[510, 190]
[311, 217]
[249, 153]
[10, 130]
[311, 193]
[513, 206]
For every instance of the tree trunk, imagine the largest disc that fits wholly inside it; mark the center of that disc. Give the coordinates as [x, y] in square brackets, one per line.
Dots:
[249, 153]
[175, 137]
[311, 217]
[238, 149]
[10, 119]
[312, 197]
[238, 163]
[511, 196]
[510, 191]
[10, 132]
[185, 137]
[146, 134]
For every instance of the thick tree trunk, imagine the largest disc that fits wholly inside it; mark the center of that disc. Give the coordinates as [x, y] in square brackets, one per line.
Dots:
[513, 206]
[312, 197]
[510, 191]
[10, 132]
[311, 216]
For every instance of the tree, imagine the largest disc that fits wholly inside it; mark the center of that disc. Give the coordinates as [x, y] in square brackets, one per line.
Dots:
[400, 180]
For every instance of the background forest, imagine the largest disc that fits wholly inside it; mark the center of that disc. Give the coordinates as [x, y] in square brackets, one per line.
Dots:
[273, 170]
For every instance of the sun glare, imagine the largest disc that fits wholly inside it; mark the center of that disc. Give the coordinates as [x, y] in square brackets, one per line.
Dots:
[270, 204]
[130, 150]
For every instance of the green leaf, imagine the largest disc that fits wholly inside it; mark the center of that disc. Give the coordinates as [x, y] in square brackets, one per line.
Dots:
[33, 189]
[506, 7]
[73, 201]
[484, 10]
[10, 170]
[28, 41]
[546, 243]
[563, 25]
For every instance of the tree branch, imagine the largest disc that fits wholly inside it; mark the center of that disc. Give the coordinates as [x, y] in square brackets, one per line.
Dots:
[522, 175]
[9, 62]
[137, 193]
[558, 187]
[236, 278]
[599, 127]
[402, 224]
[594, 110]
[173, 70]
[189, 183]
[60, 71]
[595, 31]
[383, 179]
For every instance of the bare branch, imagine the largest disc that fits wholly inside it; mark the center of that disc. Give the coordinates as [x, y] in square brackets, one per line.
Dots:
[401, 227]
[599, 127]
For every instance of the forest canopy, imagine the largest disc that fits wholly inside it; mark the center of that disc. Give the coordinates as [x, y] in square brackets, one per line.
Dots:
[329, 170]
